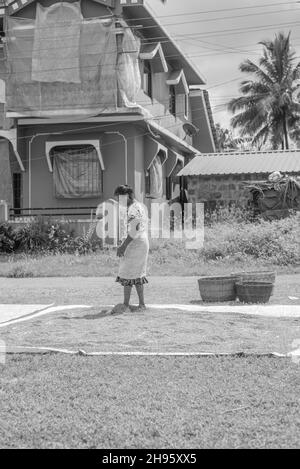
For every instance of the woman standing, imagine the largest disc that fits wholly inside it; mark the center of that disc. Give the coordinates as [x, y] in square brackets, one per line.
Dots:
[134, 250]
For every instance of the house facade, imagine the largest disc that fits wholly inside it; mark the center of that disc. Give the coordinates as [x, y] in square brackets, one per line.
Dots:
[96, 94]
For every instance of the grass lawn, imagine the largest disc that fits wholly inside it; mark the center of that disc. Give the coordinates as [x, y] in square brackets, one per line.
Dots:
[59, 401]
[105, 263]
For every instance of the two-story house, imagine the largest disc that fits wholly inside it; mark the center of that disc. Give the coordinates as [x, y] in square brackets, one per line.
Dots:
[97, 94]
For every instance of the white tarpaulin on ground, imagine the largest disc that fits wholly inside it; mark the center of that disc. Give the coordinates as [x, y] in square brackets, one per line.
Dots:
[10, 312]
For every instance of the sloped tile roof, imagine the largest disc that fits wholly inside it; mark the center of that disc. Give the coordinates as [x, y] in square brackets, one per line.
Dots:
[243, 163]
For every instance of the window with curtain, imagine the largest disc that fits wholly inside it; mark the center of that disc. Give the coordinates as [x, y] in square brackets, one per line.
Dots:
[76, 172]
[154, 177]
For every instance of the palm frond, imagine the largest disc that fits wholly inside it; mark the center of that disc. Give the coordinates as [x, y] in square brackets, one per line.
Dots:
[254, 87]
[249, 67]
[261, 135]
[268, 105]
[249, 120]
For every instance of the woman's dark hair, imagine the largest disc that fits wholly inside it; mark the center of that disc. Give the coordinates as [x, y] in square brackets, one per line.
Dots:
[125, 190]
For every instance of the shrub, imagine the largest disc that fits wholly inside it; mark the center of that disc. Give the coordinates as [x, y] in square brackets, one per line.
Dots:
[228, 214]
[276, 241]
[20, 271]
[45, 236]
[7, 238]
[33, 236]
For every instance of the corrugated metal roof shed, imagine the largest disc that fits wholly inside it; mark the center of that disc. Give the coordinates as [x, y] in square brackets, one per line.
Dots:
[243, 163]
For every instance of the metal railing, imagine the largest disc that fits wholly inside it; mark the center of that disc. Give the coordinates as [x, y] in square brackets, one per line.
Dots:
[19, 213]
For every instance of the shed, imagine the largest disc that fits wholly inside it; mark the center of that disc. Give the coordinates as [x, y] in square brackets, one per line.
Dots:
[219, 178]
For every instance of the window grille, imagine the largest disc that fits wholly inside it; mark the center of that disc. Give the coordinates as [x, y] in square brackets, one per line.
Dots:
[76, 172]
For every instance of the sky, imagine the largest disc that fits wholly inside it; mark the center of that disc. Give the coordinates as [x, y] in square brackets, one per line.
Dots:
[213, 45]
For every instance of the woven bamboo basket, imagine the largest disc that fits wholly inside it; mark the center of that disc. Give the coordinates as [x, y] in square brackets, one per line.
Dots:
[217, 289]
[264, 276]
[254, 292]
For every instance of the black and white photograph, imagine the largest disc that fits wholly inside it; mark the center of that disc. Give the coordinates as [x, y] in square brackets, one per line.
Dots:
[149, 228]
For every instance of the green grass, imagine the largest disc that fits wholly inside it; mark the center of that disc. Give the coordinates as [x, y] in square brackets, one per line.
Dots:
[60, 401]
[163, 261]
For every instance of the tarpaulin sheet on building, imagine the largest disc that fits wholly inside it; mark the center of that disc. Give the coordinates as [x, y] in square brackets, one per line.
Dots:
[73, 65]
[57, 32]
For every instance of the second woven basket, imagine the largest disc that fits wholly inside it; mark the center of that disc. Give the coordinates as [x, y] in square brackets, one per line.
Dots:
[254, 292]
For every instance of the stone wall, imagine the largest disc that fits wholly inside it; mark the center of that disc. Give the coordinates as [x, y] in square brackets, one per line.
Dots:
[221, 190]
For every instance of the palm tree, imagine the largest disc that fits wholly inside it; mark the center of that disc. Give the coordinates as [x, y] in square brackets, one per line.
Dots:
[268, 109]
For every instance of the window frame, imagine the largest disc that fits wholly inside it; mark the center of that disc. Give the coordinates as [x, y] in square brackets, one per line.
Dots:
[58, 143]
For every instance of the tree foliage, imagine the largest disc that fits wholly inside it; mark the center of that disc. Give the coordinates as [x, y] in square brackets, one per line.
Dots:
[268, 108]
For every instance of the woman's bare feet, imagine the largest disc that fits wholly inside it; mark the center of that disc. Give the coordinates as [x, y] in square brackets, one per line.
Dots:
[138, 308]
[120, 309]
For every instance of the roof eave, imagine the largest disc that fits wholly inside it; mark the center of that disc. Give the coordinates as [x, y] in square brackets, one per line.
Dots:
[177, 142]
[193, 75]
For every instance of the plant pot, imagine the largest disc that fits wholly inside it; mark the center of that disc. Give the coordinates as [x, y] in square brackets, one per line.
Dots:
[217, 289]
[254, 292]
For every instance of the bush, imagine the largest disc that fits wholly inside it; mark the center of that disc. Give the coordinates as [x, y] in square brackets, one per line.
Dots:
[231, 239]
[276, 241]
[20, 272]
[7, 238]
[44, 236]
[228, 214]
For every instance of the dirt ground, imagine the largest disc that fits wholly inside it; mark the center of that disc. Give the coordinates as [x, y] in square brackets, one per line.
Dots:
[101, 291]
